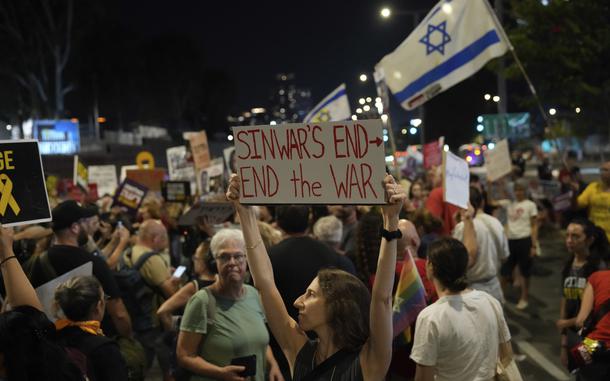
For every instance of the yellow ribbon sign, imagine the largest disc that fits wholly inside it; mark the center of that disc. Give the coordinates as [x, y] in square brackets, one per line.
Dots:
[6, 195]
[145, 160]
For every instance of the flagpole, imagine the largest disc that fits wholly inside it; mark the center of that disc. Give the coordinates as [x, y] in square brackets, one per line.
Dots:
[522, 69]
[392, 143]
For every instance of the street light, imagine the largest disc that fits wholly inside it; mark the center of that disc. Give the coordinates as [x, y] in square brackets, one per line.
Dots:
[415, 122]
[273, 123]
[363, 77]
[358, 110]
[577, 110]
[384, 118]
[366, 108]
[361, 101]
[385, 12]
[404, 131]
[230, 137]
[354, 117]
[413, 130]
[369, 99]
[552, 111]
[496, 98]
[487, 97]
[480, 127]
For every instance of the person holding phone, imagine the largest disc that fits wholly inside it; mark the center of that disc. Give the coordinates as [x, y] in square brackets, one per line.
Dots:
[222, 333]
[354, 327]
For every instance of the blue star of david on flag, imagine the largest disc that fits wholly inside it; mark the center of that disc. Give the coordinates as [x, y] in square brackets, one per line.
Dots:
[430, 46]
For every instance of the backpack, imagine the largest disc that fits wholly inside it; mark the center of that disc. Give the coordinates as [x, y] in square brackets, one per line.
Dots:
[80, 356]
[181, 374]
[136, 293]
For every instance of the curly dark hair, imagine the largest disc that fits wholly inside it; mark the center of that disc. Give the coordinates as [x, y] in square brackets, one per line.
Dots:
[367, 244]
[348, 303]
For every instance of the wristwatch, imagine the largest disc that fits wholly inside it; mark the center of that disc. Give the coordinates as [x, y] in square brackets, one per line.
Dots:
[390, 235]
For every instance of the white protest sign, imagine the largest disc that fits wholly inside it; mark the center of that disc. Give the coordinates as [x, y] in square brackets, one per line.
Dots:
[178, 167]
[456, 178]
[315, 163]
[498, 161]
[126, 168]
[46, 292]
[105, 178]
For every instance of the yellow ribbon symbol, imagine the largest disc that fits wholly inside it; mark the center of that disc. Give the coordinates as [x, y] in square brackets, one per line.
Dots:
[6, 198]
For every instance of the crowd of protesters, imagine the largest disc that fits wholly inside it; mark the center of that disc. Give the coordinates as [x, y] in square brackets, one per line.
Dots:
[298, 293]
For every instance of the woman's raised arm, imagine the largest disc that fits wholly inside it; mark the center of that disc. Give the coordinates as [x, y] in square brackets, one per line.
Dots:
[377, 352]
[284, 328]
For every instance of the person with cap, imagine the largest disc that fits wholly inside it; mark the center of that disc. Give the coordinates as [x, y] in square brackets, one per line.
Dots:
[66, 254]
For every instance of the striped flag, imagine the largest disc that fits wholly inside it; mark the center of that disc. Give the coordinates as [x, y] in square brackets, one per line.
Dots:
[452, 43]
[409, 300]
[332, 108]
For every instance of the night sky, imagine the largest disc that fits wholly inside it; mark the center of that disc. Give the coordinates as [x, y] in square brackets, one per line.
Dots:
[324, 43]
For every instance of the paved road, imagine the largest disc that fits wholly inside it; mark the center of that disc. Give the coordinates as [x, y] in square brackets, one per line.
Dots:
[534, 332]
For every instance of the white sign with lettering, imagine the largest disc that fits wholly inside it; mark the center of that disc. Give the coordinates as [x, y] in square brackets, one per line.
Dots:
[456, 180]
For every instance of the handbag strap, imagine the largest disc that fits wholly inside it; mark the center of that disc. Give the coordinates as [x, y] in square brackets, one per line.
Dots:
[603, 310]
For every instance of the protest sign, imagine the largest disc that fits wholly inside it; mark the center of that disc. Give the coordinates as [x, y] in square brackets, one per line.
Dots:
[130, 195]
[456, 180]
[80, 177]
[179, 168]
[105, 178]
[316, 163]
[23, 193]
[497, 161]
[124, 170]
[150, 178]
[198, 142]
[46, 292]
[562, 202]
[214, 212]
[230, 164]
[433, 153]
[210, 178]
[175, 191]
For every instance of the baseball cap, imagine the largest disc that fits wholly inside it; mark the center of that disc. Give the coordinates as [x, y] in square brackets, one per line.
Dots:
[67, 213]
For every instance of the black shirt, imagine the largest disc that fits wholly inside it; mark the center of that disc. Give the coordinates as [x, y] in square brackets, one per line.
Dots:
[66, 258]
[296, 262]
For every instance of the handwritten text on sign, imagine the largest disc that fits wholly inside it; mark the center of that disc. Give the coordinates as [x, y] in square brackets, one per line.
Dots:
[317, 163]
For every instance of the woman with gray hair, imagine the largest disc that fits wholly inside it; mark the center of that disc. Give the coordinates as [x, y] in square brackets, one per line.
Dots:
[329, 229]
[223, 334]
[81, 303]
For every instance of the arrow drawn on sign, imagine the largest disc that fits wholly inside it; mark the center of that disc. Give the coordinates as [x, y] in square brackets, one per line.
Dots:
[377, 141]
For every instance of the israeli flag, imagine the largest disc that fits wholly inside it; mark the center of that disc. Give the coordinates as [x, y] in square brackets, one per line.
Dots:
[332, 108]
[452, 43]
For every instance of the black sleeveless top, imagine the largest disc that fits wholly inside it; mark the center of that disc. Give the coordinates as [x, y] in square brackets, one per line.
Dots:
[346, 370]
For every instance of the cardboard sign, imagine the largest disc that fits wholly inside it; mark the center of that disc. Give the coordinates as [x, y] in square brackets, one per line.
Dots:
[498, 161]
[23, 193]
[215, 213]
[150, 178]
[179, 168]
[130, 195]
[198, 142]
[46, 292]
[315, 163]
[176, 191]
[230, 163]
[456, 180]
[80, 176]
[105, 178]
[433, 153]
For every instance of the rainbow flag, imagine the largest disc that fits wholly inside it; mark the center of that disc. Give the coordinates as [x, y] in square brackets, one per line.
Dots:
[409, 300]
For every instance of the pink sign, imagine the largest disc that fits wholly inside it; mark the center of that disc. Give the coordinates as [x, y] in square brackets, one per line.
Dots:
[433, 154]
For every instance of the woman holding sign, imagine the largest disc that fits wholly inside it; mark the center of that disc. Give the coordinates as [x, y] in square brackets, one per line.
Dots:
[354, 336]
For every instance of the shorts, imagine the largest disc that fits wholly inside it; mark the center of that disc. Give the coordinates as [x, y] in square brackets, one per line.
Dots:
[519, 256]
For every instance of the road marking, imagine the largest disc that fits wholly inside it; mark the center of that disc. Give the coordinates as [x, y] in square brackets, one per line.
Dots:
[541, 360]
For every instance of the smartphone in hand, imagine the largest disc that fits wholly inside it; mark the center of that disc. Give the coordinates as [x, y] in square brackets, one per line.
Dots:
[179, 271]
[247, 361]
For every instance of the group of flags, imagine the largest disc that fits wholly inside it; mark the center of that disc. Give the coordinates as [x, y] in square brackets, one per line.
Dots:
[454, 41]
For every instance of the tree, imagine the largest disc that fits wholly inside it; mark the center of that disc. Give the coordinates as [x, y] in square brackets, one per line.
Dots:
[564, 47]
[37, 36]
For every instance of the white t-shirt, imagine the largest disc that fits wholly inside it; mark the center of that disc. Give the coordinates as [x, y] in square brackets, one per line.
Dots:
[520, 219]
[490, 235]
[459, 336]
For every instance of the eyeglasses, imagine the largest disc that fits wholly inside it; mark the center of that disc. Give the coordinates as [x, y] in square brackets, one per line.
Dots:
[226, 258]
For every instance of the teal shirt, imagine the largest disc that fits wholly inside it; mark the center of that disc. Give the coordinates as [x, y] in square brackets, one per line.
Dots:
[238, 329]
